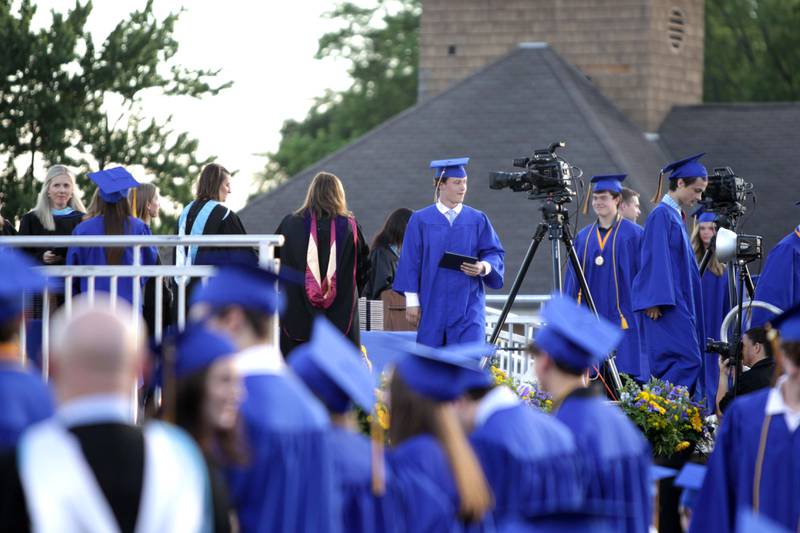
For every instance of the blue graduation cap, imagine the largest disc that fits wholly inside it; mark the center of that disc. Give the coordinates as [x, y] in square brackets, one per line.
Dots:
[198, 348]
[608, 182]
[689, 167]
[690, 479]
[748, 521]
[574, 336]
[19, 275]
[247, 286]
[444, 374]
[658, 472]
[450, 168]
[788, 324]
[331, 366]
[707, 217]
[113, 183]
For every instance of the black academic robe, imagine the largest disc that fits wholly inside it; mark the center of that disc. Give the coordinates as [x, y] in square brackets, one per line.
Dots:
[221, 221]
[64, 224]
[352, 269]
[383, 265]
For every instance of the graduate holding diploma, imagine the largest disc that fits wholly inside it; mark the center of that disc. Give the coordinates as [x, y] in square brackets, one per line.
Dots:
[446, 304]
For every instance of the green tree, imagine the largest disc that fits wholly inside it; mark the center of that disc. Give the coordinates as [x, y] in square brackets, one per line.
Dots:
[752, 50]
[62, 99]
[381, 45]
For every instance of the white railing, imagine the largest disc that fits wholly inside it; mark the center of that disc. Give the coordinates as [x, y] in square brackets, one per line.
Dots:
[266, 256]
[516, 335]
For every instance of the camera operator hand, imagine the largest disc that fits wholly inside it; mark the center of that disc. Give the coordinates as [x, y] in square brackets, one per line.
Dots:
[653, 312]
[725, 368]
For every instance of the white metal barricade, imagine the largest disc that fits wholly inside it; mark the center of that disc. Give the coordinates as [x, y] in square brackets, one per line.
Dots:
[266, 256]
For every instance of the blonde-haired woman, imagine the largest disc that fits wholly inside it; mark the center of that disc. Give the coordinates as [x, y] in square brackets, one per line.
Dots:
[324, 241]
[58, 210]
[716, 301]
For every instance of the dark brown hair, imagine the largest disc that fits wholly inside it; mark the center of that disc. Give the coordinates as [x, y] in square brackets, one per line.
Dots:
[190, 397]
[791, 351]
[115, 222]
[325, 197]
[211, 179]
[394, 229]
[413, 414]
[628, 194]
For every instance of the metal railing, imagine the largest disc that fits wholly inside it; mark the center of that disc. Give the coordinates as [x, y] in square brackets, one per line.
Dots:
[266, 256]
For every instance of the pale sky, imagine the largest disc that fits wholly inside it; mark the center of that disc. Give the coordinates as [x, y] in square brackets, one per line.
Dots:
[265, 47]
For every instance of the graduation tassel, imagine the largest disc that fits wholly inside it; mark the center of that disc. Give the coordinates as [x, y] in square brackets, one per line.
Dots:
[378, 465]
[436, 189]
[585, 206]
[657, 196]
[773, 350]
[623, 322]
[133, 203]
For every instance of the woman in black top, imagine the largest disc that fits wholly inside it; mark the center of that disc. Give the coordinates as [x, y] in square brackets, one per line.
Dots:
[324, 241]
[58, 210]
[386, 252]
[6, 228]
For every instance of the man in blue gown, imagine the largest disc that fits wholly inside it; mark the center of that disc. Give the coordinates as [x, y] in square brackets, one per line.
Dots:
[756, 458]
[779, 283]
[448, 305]
[609, 250]
[24, 397]
[616, 455]
[333, 369]
[289, 483]
[667, 290]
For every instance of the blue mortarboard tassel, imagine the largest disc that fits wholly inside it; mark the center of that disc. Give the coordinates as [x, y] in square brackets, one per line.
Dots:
[332, 367]
[573, 335]
[19, 275]
[198, 348]
[247, 286]
[113, 183]
[450, 168]
[444, 374]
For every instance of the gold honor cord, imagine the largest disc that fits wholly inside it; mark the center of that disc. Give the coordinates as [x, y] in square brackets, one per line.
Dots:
[762, 448]
[602, 242]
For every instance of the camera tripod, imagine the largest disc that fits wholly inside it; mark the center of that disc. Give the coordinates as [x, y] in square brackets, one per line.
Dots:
[555, 225]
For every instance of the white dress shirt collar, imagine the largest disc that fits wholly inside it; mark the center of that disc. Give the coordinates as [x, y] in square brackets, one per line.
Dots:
[776, 406]
[260, 359]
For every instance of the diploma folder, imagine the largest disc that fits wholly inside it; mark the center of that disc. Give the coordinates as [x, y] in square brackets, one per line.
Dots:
[454, 261]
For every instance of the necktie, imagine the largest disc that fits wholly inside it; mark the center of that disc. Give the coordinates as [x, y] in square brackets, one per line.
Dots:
[451, 215]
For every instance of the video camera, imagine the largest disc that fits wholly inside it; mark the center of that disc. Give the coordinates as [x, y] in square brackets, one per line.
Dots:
[726, 193]
[545, 174]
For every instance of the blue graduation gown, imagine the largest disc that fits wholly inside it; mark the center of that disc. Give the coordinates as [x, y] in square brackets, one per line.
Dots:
[616, 457]
[612, 293]
[452, 303]
[779, 283]
[289, 484]
[669, 278]
[361, 509]
[531, 463]
[716, 304]
[97, 256]
[730, 479]
[25, 400]
[422, 495]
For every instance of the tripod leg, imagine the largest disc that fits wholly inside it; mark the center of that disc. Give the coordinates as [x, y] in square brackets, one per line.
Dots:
[610, 364]
[706, 258]
[541, 230]
[748, 282]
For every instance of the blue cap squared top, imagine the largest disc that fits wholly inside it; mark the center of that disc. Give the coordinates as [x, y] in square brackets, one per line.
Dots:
[788, 324]
[608, 182]
[657, 473]
[332, 367]
[707, 217]
[250, 287]
[197, 348]
[18, 275]
[689, 167]
[444, 374]
[691, 479]
[574, 336]
[113, 183]
[450, 168]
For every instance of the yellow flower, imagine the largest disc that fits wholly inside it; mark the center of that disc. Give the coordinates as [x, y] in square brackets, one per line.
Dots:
[697, 424]
[682, 446]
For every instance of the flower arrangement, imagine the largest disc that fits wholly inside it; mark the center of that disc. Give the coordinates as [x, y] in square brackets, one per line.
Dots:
[528, 392]
[666, 414]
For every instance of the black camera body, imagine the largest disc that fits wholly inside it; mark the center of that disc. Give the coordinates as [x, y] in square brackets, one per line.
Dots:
[545, 174]
[726, 193]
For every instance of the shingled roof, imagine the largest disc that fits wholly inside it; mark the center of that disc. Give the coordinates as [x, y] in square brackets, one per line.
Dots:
[759, 142]
[522, 102]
